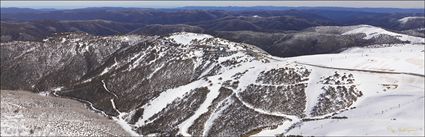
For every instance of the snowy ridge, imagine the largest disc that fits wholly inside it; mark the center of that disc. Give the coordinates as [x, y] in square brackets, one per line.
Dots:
[373, 32]
[226, 72]
[396, 58]
[407, 19]
[187, 38]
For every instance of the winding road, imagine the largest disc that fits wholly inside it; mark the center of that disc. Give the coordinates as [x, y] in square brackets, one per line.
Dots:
[362, 70]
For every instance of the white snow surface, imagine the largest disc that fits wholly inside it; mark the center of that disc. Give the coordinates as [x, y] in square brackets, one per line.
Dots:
[187, 38]
[372, 32]
[398, 58]
[165, 98]
[406, 19]
[389, 112]
[217, 114]
[392, 104]
[202, 109]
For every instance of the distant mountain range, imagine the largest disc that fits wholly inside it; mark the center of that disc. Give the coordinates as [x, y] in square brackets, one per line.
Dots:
[374, 10]
[239, 8]
[269, 28]
[334, 13]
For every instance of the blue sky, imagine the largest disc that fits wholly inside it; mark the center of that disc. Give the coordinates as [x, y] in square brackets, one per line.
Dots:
[172, 4]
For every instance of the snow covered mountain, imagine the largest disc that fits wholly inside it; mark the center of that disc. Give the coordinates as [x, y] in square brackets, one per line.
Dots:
[368, 32]
[374, 32]
[322, 39]
[410, 19]
[196, 84]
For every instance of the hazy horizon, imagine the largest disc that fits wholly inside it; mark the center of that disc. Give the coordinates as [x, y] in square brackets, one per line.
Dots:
[177, 4]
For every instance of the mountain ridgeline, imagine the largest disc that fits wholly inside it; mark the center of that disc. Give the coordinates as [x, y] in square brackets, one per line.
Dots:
[182, 84]
[278, 31]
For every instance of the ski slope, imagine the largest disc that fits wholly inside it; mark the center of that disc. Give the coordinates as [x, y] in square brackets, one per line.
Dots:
[392, 104]
[398, 58]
